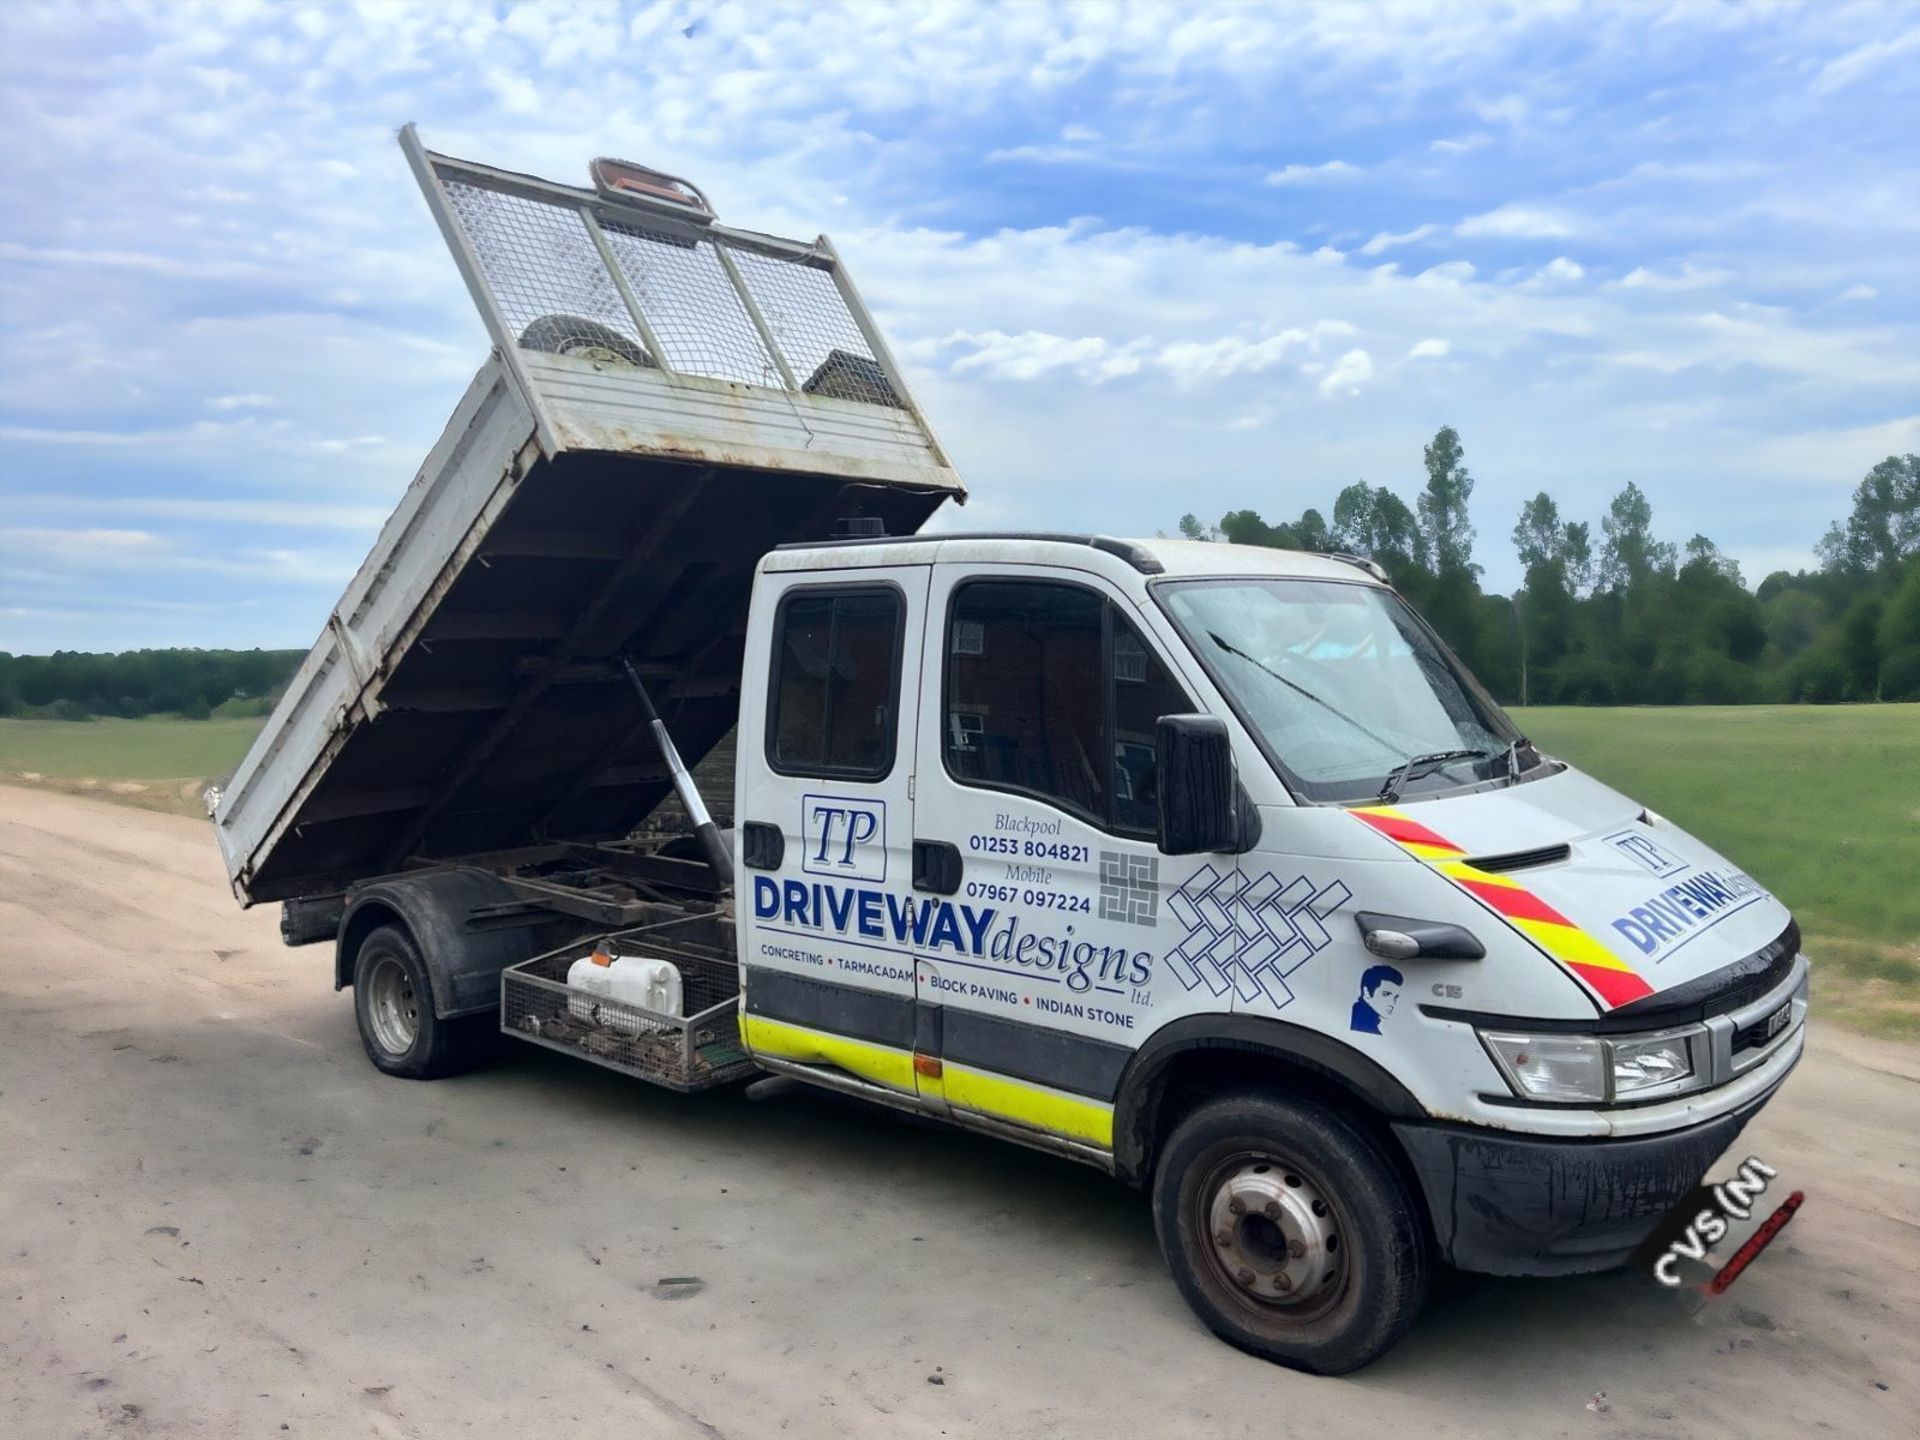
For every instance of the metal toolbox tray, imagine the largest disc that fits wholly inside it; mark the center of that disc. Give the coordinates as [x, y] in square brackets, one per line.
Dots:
[695, 1051]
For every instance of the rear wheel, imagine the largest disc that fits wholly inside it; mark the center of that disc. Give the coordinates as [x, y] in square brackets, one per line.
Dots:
[393, 1004]
[1290, 1232]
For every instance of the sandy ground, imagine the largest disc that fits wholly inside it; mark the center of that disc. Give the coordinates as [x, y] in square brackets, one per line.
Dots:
[217, 1219]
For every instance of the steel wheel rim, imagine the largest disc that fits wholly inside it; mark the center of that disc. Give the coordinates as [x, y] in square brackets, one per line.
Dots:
[1273, 1234]
[393, 1011]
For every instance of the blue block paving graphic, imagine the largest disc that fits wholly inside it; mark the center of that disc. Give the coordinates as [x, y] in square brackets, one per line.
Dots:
[1249, 933]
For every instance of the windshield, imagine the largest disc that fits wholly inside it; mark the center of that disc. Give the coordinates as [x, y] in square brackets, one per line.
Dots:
[1344, 686]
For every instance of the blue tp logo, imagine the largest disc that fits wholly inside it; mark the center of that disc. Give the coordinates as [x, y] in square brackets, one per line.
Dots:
[844, 837]
[1653, 857]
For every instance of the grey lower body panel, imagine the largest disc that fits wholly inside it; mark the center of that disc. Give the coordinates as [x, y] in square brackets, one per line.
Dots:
[1058, 1059]
[1508, 1204]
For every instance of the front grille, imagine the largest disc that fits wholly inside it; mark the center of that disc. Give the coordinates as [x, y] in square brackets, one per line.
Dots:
[1765, 1030]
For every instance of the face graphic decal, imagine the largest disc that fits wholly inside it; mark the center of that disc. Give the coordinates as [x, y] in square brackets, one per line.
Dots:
[1379, 993]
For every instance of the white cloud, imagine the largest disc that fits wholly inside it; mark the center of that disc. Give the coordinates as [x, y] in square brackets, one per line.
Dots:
[1036, 356]
[1069, 364]
[1310, 174]
[1386, 240]
[1190, 362]
[287, 514]
[1688, 277]
[1835, 458]
[1514, 222]
[1558, 271]
[1429, 350]
[141, 551]
[1862, 60]
[78, 544]
[1033, 354]
[1351, 371]
[1507, 110]
[1767, 338]
[1857, 292]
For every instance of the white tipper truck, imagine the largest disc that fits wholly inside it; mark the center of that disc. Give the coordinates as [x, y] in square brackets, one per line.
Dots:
[1205, 865]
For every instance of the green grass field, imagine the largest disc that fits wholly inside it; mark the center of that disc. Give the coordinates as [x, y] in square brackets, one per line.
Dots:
[168, 759]
[1821, 804]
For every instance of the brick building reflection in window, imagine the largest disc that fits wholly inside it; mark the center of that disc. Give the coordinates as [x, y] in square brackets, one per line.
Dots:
[1052, 692]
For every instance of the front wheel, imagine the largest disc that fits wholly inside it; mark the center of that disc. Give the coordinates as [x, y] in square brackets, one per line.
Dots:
[393, 1005]
[1290, 1232]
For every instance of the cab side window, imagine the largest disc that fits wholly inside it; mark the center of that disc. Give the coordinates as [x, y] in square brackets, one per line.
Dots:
[836, 682]
[1051, 692]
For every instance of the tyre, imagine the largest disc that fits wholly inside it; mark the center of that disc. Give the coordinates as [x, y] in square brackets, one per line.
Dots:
[1290, 1232]
[393, 1005]
[584, 340]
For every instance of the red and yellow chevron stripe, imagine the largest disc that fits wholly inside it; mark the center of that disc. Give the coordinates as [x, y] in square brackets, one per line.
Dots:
[1609, 979]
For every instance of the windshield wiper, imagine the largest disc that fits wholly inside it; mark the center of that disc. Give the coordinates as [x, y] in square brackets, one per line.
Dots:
[1333, 710]
[1416, 766]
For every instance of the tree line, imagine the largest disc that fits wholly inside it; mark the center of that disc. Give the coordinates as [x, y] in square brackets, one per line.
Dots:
[74, 685]
[1625, 617]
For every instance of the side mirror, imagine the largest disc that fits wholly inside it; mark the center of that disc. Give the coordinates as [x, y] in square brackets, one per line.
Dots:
[1199, 797]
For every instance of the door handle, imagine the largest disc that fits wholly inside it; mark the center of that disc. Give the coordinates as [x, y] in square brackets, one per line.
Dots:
[762, 846]
[936, 866]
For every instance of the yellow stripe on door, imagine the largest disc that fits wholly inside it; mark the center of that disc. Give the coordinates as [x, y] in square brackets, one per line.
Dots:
[1034, 1106]
[879, 1063]
[1071, 1116]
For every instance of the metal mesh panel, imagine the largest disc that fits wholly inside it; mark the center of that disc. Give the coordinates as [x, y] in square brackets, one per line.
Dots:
[814, 329]
[683, 1054]
[692, 306]
[546, 275]
[692, 1051]
[555, 292]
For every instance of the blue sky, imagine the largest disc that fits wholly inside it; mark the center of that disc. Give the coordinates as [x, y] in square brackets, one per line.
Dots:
[1140, 260]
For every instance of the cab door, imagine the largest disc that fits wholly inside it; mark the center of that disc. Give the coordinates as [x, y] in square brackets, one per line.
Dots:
[824, 848]
[1044, 963]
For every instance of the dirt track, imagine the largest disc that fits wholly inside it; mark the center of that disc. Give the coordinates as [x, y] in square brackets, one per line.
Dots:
[217, 1219]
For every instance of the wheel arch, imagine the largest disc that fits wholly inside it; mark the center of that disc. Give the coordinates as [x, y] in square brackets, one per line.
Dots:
[1214, 1053]
[435, 908]
[363, 916]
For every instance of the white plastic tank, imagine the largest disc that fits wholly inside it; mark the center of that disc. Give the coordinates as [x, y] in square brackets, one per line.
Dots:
[645, 982]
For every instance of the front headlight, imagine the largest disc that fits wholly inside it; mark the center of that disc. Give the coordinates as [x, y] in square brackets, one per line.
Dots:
[1596, 1069]
[1651, 1063]
[1551, 1067]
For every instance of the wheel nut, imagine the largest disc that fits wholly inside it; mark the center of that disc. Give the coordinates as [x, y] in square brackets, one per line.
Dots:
[1273, 1209]
[1283, 1281]
[1244, 1276]
[1224, 1238]
[1296, 1249]
[1237, 1206]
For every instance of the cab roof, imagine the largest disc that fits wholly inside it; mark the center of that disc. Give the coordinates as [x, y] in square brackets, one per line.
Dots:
[1103, 553]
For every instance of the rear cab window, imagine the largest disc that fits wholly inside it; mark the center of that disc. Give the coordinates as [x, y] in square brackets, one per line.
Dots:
[834, 697]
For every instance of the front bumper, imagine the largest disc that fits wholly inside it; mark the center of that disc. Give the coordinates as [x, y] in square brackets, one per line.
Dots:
[1510, 1204]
